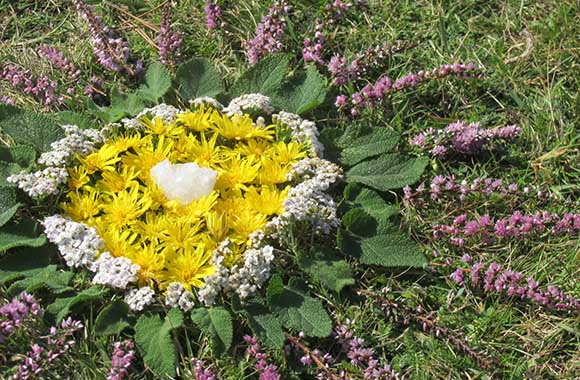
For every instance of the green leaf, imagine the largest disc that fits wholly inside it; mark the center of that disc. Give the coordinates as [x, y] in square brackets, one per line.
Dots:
[265, 325]
[304, 92]
[47, 278]
[360, 143]
[153, 337]
[197, 78]
[217, 323]
[275, 286]
[300, 312]
[24, 234]
[157, 82]
[390, 171]
[360, 223]
[372, 203]
[29, 128]
[24, 262]
[392, 250]
[8, 204]
[22, 155]
[331, 272]
[113, 319]
[72, 118]
[62, 307]
[265, 77]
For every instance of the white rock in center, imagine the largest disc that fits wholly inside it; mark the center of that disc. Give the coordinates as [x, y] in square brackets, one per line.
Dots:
[183, 182]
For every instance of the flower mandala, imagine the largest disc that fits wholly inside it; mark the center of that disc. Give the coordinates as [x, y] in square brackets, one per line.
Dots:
[185, 204]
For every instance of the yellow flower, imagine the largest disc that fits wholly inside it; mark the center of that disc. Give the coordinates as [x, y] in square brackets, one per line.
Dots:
[246, 222]
[118, 242]
[126, 206]
[198, 120]
[146, 157]
[203, 152]
[188, 268]
[114, 182]
[255, 148]
[152, 227]
[273, 172]
[103, 159]
[217, 225]
[240, 127]
[287, 153]
[158, 127]
[125, 142]
[78, 177]
[181, 233]
[196, 208]
[151, 260]
[268, 201]
[82, 206]
[236, 172]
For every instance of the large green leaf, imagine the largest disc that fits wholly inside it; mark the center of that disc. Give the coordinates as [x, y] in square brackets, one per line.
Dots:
[304, 92]
[62, 307]
[392, 249]
[8, 204]
[24, 234]
[326, 268]
[81, 120]
[22, 155]
[357, 196]
[24, 262]
[153, 337]
[265, 325]
[113, 319]
[29, 128]
[197, 78]
[265, 77]
[157, 82]
[47, 278]
[217, 323]
[389, 171]
[360, 143]
[298, 311]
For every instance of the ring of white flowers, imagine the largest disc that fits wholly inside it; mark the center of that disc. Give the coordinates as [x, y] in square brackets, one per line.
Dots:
[79, 244]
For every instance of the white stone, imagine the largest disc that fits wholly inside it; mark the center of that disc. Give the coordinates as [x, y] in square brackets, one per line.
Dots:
[183, 182]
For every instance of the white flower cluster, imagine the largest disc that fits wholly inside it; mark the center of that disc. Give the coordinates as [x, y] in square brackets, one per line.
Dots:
[177, 296]
[247, 103]
[47, 181]
[138, 299]
[117, 272]
[303, 131]
[206, 101]
[308, 200]
[77, 243]
[244, 279]
[40, 183]
[164, 111]
[76, 141]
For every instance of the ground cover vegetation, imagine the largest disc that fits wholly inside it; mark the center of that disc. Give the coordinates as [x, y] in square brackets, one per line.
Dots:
[289, 190]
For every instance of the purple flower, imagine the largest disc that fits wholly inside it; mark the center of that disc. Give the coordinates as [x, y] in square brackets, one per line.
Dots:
[269, 32]
[122, 360]
[168, 42]
[59, 61]
[385, 86]
[111, 50]
[213, 12]
[200, 372]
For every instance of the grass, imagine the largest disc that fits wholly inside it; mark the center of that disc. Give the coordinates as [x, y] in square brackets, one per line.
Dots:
[532, 58]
